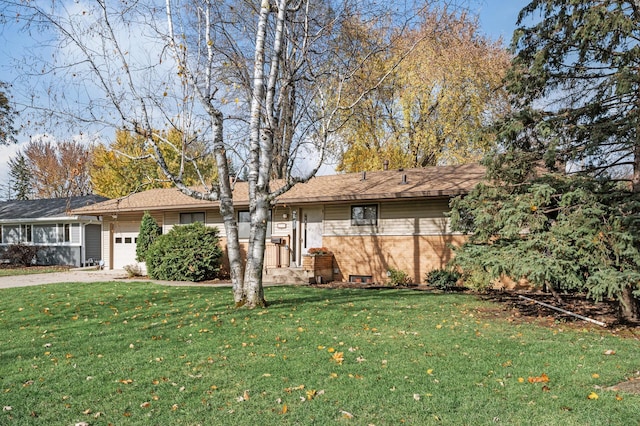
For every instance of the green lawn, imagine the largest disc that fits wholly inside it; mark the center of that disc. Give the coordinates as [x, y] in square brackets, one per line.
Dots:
[139, 353]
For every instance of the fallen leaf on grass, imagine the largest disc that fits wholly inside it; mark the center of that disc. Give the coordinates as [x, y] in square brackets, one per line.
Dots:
[284, 409]
[145, 404]
[543, 378]
[126, 381]
[592, 395]
[338, 357]
[346, 414]
[416, 396]
[609, 352]
[288, 390]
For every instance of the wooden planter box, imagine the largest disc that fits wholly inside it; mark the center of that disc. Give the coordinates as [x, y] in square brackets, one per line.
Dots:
[319, 266]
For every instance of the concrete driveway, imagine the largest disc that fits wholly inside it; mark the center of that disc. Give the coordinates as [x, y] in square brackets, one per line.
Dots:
[84, 276]
[78, 275]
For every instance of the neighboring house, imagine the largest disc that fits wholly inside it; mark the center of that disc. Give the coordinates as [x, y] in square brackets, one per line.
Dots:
[65, 238]
[372, 221]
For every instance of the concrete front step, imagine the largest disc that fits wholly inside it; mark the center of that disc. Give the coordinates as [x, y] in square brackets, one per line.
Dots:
[286, 276]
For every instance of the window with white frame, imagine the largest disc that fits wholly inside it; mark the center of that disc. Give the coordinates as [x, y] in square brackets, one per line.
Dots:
[364, 215]
[45, 234]
[64, 232]
[11, 234]
[25, 234]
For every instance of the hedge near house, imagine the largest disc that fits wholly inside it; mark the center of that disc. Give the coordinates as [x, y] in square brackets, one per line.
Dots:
[149, 231]
[186, 253]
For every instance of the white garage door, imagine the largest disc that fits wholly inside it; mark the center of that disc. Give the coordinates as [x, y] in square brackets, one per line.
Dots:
[125, 237]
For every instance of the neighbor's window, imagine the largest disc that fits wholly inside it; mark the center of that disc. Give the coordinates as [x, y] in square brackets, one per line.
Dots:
[25, 236]
[364, 215]
[11, 234]
[64, 232]
[43, 234]
[244, 224]
[187, 218]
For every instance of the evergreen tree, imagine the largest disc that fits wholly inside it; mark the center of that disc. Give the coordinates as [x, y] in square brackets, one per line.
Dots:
[20, 177]
[149, 231]
[557, 231]
[7, 117]
[576, 90]
[576, 85]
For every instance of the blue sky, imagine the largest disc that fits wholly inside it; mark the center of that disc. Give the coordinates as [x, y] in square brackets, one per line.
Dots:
[497, 19]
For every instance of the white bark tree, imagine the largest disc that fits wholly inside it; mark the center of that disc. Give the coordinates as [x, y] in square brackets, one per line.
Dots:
[179, 65]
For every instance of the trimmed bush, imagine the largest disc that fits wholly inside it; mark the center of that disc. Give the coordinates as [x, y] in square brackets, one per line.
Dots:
[186, 253]
[443, 279]
[398, 277]
[149, 231]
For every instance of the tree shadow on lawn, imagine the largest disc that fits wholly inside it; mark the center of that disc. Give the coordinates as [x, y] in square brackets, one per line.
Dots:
[298, 296]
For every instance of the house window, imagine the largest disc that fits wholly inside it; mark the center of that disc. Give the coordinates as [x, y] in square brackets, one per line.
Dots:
[25, 234]
[43, 234]
[11, 234]
[244, 224]
[187, 218]
[364, 215]
[64, 232]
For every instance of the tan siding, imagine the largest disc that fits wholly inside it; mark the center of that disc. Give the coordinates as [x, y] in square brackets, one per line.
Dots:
[375, 255]
[414, 218]
[281, 225]
[425, 217]
[214, 218]
[170, 219]
[337, 220]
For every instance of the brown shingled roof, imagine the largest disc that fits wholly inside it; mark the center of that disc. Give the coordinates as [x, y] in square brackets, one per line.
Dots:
[370, 186]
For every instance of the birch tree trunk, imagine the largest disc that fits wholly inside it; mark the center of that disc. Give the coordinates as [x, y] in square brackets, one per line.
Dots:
[135, 88]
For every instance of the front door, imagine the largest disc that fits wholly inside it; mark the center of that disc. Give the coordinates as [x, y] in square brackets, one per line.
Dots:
[310, 228]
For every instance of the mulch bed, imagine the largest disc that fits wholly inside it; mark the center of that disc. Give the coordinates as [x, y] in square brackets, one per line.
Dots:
[512, 305]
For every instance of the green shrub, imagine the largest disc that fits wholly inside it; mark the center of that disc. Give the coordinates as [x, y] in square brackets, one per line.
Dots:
[398, 277]
[443, 279]
[186, 253]
[149, 231]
